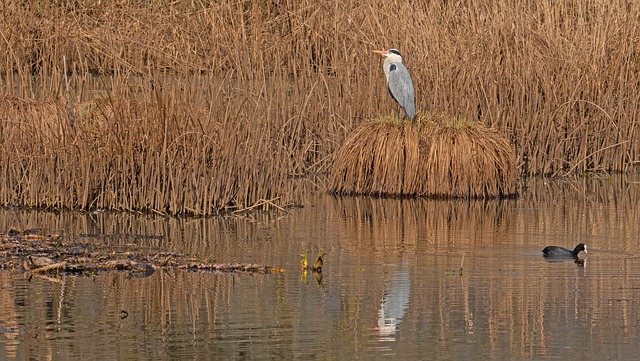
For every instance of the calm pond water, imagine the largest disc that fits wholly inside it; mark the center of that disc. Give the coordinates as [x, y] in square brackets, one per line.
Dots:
[391, 285]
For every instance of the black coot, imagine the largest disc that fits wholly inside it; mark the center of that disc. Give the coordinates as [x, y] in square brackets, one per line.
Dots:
[555, 251]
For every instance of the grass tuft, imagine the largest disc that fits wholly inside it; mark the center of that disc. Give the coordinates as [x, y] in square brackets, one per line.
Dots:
[438, 156]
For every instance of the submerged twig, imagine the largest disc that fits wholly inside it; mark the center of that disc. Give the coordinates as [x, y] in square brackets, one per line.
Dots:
[52, 267]
[262, 203]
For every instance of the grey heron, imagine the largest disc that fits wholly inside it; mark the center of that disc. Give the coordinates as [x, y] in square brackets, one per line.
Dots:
[399, 81]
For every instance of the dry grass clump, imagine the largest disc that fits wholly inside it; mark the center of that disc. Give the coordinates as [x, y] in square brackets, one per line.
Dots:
[470, 160]
[444, 157]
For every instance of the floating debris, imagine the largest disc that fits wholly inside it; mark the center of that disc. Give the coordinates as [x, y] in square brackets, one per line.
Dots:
[230, 267]
[51, 255]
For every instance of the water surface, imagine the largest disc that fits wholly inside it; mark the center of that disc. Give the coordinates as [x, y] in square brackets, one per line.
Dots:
[392, 284]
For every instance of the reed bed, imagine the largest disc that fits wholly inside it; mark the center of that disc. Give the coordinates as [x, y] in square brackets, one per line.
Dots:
[437, 157]
[149, 154]
[249, 96]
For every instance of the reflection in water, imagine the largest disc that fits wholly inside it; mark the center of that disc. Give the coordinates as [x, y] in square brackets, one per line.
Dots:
[387, 288]
[144, 270]
[317, 275]
[395, 300]
[580, 261]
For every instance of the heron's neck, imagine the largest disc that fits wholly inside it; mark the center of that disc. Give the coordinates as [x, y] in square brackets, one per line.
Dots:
[387, 65]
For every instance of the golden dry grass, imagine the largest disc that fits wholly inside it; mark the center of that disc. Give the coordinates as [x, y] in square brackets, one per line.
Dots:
[439, 157]
[218, 106]
[138, 155]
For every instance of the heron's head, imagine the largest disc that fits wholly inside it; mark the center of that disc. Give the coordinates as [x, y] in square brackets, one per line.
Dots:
[392, 54]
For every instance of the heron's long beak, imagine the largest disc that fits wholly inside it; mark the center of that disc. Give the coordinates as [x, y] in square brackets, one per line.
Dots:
[381, 52]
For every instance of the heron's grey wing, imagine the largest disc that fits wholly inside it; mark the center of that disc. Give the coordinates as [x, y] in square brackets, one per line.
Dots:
[401, 88]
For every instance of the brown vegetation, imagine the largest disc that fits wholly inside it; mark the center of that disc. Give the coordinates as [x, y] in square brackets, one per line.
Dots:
[209, 107]
[438, 157]
[158, 155]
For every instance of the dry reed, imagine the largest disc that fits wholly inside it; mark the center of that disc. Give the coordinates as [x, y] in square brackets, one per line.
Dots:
[136, 155]
[438, 157]
[218, 106]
